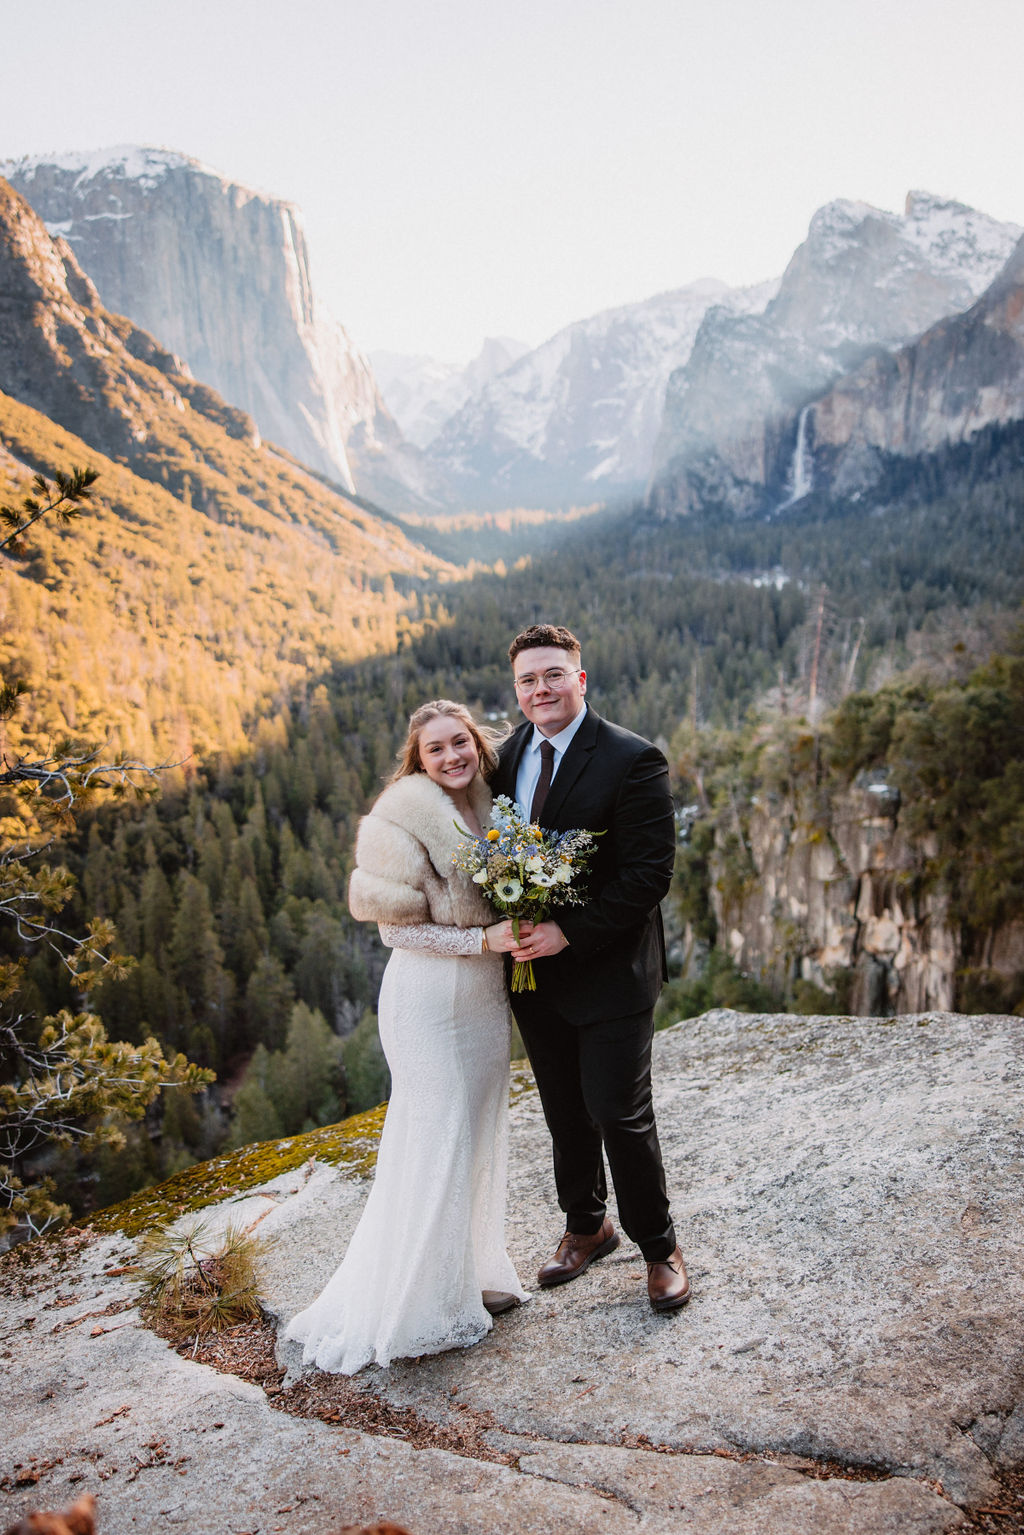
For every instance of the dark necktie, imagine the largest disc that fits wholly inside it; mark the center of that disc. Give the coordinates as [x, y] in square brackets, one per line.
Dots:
[540, 793]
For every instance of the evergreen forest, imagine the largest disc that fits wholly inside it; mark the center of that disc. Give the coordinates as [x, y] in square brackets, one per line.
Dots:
[276, 691]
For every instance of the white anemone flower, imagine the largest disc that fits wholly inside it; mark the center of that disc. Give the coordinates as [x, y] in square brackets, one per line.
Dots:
[508, 890]
[546, 880]
[480, 877]
[563, 874]
[534, 864]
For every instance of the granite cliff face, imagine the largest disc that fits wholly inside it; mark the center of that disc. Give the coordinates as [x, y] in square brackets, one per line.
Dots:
[863, 280]
[94, 372]
[221, 276]
[576, 419]
[963, 375]
[154, 639]
[838, 904]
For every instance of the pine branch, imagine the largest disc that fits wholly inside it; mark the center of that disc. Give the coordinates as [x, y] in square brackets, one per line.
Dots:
[64, 777]
[64, 498]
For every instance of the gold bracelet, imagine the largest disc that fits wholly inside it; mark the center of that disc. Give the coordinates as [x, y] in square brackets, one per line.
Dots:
[485, 947]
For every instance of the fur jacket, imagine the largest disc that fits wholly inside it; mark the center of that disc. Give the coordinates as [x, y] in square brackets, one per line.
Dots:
[404, 872]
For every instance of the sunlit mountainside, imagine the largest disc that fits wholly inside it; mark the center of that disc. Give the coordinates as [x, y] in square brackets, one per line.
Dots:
[214, 573]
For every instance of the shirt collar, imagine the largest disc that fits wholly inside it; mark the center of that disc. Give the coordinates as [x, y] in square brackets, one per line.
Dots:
[561, 741]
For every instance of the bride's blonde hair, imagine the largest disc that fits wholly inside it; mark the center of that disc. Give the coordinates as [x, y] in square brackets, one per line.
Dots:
[486, 737]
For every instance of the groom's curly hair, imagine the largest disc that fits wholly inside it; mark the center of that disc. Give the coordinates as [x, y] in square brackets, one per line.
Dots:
[554, 635]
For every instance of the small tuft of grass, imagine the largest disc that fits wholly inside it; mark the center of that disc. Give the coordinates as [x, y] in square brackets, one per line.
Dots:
[196, 1283]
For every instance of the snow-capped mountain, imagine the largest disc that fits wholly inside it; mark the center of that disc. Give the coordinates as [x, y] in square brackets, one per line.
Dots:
[577, 418]
[863, 280]
[422, 393]
[220, 274]
[964, 374]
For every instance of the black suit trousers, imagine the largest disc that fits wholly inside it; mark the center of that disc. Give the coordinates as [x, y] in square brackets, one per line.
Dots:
[594, 1082]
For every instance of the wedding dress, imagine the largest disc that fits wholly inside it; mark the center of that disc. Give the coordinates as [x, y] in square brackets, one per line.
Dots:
[431, 1238]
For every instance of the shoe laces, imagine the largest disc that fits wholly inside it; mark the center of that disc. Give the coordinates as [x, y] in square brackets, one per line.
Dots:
[665, 1263]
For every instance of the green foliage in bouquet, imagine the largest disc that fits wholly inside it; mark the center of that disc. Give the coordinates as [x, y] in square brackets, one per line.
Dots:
[525, 871]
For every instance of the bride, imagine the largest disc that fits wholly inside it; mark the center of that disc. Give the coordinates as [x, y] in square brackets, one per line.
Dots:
[427, 1267]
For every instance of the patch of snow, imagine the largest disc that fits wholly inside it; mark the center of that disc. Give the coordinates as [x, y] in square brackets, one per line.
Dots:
[134, 162]
[957, 240]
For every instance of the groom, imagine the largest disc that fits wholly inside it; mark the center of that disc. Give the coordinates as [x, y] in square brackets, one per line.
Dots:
[588, 1026]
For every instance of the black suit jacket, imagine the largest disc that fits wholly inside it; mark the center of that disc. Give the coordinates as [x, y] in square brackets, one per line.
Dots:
[614, 782]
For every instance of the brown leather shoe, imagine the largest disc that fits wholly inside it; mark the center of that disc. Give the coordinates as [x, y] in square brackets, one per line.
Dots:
[499, 1301]
[668, 1284]
[576, 1253]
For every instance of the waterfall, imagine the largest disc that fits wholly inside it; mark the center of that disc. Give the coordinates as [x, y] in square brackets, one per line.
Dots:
[800, 480]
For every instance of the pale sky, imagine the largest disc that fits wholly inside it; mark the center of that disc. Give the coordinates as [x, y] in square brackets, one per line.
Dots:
[469, 168]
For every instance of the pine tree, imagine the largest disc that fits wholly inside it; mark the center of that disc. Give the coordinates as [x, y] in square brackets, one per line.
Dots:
[308, 1090]
[256, 1115]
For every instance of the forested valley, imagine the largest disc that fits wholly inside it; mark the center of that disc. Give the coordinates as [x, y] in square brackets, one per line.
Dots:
[228, 889]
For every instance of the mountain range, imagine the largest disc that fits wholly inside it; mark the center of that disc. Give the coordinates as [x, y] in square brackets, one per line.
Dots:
[422, 392]
[693, 397]
[964, 374]
[703, 398]
[577, 418]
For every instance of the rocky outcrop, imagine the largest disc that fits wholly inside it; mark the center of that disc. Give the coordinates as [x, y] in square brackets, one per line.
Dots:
[847, 1193]
[836, 900]
[221, 276]
[576, 420]
[863, 281]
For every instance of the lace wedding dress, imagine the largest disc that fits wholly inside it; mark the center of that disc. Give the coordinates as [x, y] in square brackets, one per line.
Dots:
[432, 1235]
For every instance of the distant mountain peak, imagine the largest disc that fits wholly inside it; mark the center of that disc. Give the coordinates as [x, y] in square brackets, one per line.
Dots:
[956, 240]
[864, 279]
[840, 218]
[577, 417]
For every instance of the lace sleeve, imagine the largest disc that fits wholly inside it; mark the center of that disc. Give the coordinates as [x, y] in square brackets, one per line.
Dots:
[430, 938]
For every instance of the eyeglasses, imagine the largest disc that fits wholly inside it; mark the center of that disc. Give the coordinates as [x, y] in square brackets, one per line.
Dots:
[557, 677]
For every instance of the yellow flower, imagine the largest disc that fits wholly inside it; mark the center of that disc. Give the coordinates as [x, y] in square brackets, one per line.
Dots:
[493, 834]
[538, 834]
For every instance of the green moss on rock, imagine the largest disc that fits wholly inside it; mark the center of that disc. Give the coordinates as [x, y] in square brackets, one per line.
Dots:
[351, 1144]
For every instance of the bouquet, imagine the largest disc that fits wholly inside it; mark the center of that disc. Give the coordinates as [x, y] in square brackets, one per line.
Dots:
[524, 871]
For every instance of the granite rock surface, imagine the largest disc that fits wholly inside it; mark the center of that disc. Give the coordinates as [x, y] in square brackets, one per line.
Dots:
[848, 1193]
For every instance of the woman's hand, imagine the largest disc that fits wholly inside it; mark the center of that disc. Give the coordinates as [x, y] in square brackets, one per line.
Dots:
[500, 937]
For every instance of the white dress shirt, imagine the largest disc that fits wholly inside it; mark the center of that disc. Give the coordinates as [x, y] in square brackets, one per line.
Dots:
[529, 762]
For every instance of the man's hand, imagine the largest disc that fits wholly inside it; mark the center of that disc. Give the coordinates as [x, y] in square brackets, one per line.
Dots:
[546, 939]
